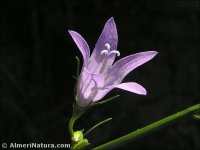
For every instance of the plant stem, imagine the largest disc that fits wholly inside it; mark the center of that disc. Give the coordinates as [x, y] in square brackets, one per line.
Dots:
[147, 129]
[71, 124]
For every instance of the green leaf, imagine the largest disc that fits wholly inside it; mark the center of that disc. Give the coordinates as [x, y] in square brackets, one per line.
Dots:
[196, 116]
[97, 125]
[78, 66]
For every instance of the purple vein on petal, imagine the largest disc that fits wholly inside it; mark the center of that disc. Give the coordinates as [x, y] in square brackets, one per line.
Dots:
[89, 84]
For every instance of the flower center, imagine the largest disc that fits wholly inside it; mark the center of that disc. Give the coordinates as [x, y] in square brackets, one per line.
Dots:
[107, 50]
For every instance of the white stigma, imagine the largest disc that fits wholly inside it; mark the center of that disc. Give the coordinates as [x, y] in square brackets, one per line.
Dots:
[107, 45]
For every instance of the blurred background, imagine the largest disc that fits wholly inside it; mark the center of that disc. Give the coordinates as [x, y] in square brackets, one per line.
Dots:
[38, 62]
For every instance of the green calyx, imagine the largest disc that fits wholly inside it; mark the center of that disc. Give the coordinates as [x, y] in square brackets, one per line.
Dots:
[78, 141]
[77, 136]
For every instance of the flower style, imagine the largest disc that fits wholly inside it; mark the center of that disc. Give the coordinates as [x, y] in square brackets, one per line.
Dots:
[99, 75]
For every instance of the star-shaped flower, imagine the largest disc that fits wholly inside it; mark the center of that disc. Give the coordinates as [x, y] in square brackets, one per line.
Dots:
[99, 75]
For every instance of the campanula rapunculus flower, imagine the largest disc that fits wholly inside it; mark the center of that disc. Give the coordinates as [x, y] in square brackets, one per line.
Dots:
[99, 75]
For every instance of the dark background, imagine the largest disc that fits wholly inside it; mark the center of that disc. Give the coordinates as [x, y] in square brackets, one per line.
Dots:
[38, 62]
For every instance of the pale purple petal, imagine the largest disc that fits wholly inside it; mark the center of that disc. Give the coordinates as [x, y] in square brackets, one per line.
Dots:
[88, 87]
[125, 65]
[102, 93]
[81, 44]
[108, 35]
[132, 87]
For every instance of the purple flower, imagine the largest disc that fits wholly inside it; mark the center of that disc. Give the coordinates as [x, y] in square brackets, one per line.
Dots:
[99, 75]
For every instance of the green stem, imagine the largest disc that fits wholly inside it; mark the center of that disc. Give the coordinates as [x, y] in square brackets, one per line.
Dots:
[71, 124]
[148, 129]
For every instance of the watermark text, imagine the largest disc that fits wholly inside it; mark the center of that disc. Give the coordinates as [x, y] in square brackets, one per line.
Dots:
[34, 145]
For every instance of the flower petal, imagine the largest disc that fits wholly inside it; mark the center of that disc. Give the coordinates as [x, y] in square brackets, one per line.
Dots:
[81, 44]
[125, 65]
[88, 87]
[102, 93]
[108, 35]
[132, 87]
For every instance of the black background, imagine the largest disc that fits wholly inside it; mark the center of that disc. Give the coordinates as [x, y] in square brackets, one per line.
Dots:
[38, 62]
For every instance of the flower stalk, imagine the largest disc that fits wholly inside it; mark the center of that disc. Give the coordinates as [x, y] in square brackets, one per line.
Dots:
[77, 112]
[71, 125]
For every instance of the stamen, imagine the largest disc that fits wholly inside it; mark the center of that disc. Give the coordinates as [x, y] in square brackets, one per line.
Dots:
[115, 52]
[104, 52]
[107, 45]
[108, 52]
